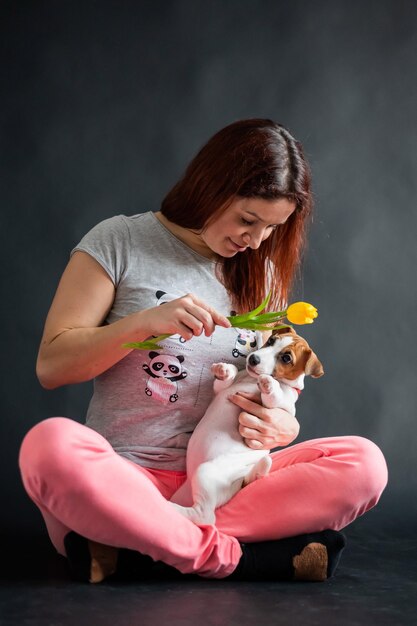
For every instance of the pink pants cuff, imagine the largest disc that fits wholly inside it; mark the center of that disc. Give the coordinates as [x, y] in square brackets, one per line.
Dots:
[80, 483]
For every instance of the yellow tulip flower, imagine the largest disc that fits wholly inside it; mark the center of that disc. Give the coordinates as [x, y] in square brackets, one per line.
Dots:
[301, 313]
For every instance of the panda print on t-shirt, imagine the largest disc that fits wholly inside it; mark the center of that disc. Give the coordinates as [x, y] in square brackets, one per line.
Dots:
[164, 370]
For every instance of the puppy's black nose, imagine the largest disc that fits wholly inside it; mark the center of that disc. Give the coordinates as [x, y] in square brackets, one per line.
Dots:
[254, 360]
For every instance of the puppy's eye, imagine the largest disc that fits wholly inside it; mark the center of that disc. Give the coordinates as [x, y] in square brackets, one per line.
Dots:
[285, 358]
[270, 341]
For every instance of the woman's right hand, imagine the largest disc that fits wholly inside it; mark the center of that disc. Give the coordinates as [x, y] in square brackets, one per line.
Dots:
[187, 316]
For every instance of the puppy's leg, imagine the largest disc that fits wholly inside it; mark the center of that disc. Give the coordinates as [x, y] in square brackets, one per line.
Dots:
[195, 513]
[259, 470]
[224, 374]
[204, 486]
[215, 483]
[271, 391]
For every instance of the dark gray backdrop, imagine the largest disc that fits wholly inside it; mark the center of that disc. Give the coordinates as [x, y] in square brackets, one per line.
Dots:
[103, 104]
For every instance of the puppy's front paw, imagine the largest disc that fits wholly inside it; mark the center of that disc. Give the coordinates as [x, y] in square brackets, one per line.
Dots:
[265, 383]
[221, 371]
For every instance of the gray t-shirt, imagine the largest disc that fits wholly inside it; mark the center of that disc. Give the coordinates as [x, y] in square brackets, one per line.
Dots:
[148, 404]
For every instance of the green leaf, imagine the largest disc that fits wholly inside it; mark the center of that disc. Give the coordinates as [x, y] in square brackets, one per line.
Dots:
[269, 317]
[237, 320]
[262, 306]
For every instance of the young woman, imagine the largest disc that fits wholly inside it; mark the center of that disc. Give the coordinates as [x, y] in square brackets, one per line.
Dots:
[229, 231]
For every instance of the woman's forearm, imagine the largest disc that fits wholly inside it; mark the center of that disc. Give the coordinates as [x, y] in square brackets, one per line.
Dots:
[77, 355]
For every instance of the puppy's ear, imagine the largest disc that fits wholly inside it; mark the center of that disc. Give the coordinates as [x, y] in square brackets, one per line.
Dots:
[313, 366]
[284, 331]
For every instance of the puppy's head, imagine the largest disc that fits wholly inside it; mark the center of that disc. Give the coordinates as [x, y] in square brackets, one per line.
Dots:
[285, 356]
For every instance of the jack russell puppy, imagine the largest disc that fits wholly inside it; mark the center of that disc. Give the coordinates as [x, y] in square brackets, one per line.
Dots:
[219, 463]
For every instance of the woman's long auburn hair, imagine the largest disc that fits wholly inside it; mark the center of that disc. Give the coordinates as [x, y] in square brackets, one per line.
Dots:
[255, 158]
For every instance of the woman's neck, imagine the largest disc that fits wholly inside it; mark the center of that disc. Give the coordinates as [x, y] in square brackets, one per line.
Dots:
[191, 238]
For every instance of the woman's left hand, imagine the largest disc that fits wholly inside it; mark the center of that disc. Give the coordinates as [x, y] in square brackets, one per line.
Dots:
[261, 428]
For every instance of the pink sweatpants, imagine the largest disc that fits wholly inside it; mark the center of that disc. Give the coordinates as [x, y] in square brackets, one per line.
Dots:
[79, 483]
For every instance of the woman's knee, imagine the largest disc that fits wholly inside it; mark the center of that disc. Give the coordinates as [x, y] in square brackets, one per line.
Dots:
[47, 444]
[38, 438]
[370, 468]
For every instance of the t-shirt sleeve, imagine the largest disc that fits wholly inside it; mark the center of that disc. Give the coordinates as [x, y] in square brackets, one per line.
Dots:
[109, 244]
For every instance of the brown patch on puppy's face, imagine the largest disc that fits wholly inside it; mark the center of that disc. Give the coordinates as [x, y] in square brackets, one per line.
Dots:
[296, 358]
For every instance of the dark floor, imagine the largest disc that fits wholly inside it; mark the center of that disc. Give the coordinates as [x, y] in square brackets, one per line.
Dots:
[376, 583]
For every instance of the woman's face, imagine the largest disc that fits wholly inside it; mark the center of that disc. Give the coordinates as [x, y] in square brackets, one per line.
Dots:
[246, 223]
